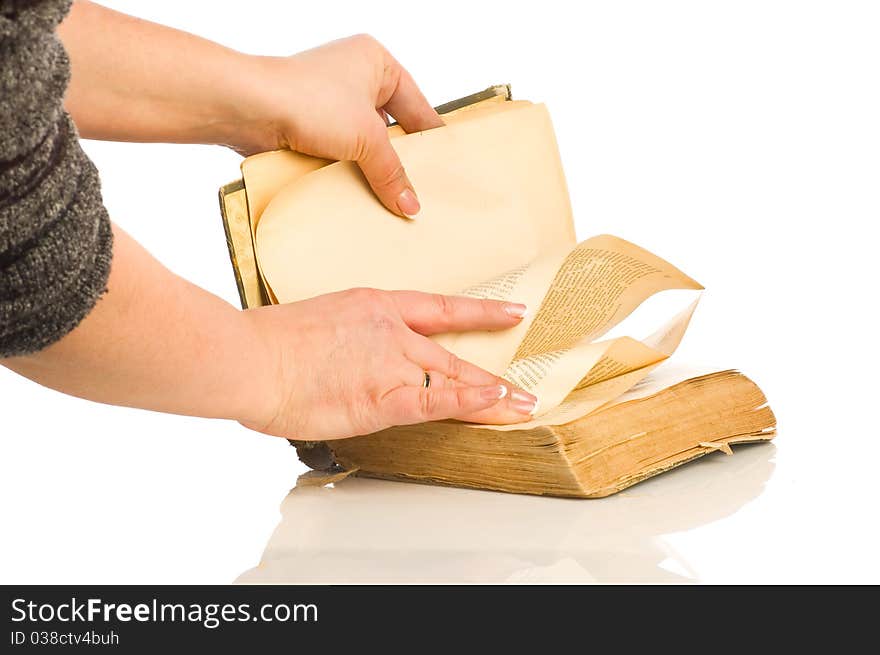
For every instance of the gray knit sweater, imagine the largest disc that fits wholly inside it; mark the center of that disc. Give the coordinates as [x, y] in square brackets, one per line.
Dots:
[55, 239]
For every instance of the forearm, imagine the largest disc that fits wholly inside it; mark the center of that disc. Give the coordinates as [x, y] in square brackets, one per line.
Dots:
[157, 342]
[133, 80]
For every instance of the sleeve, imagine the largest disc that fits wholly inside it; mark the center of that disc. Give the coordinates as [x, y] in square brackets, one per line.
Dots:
[55, 236]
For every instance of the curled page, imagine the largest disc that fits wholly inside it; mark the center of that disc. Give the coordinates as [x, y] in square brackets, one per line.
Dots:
[574, 295]
[581, 294]
[553, 376]
[589, 376]
[528, 284]
[599, 283]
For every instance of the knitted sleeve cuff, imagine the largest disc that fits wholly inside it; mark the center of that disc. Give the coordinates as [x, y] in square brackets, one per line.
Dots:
[55, 236]
[55, 250]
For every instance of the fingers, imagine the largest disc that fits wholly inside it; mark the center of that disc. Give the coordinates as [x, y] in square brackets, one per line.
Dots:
[449, 370]
[501, 413]
[384, 172]
[515, 407]
[405, 101]
[401, 98]
[406, 405]
[431, 313]
[430, 356]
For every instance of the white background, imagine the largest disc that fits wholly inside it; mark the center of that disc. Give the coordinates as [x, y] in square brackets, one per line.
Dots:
[740, 140]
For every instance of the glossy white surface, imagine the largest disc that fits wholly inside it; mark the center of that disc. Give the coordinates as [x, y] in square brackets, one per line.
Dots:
[737, 140]
[363, 530]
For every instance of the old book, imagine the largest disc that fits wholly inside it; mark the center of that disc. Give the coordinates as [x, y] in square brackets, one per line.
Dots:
[496, 223]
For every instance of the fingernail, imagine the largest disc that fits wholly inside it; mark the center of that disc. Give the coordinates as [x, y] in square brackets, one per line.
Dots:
[515, 309]
[408, 204]
[523, 402]
[495, 393]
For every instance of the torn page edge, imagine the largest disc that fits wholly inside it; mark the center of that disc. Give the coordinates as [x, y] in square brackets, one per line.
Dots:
[723, 446]
[322, 478]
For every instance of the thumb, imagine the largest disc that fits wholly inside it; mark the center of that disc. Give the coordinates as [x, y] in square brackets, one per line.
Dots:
[384, 172]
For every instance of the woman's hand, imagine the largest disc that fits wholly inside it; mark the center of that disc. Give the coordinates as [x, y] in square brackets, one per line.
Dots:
[138, 81]
[354, 362]
[337, 365]
[333, 102]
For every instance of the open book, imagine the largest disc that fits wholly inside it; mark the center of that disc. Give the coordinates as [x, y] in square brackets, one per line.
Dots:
[496, 223]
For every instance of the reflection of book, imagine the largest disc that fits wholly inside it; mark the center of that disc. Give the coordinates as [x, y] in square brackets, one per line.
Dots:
[495, 223]
[372, 531]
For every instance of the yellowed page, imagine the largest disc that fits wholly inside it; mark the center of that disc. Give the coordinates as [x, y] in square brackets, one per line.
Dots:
[584, 293]
[586, 400]
[493, 198]
[668, 375]
[526, 284]
[588, 290]
[588, 376]
[579, 294]
[266, 173]
[552, 376]
[600, 283]
[667, 338]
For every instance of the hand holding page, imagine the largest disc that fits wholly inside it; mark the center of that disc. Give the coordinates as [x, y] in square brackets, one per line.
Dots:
[493, 198]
